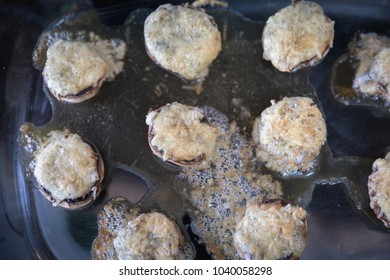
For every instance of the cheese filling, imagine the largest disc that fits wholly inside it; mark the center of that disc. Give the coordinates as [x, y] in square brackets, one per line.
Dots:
[372, 53]
[379, 187]
[271, 231]
[66, 167]
[182, 40]
[73, 67]
[150, 237]
[297, 34]
[290, 134]
[181, 134]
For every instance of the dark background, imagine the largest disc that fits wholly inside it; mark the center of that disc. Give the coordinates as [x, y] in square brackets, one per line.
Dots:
[21, 22]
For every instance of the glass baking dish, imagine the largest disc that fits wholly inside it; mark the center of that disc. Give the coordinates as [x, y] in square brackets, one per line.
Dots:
[341, 224]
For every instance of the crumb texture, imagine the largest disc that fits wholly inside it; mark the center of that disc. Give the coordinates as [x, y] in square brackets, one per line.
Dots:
[66, 166]
[271, 231]
[371, 54]
[74, 68]
[297, 36]
[379, 189]
[290, 134]
[183, 40]
[181, 133]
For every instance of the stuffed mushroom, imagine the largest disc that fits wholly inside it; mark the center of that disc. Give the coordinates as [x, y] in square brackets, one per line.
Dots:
[69, 170]
[182, 39]
[297, 36]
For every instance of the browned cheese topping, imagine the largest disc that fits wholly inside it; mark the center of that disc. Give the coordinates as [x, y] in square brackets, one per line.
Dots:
[150, 236]
[183, 40]
[372, 55]
[125, 233]
[74, 71]
[181, 134]
[297, 36]
[379, 189]
[66, 166]
[290, 134]
[271, 231]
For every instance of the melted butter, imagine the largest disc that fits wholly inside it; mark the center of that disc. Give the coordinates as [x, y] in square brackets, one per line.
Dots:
[219, 194]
